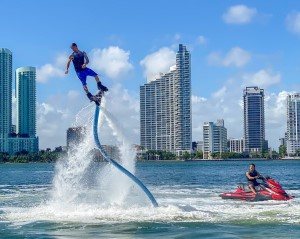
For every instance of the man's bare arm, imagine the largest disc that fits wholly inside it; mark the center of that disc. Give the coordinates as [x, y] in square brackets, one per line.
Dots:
[248, 176]
[68, 64]
[87, 61]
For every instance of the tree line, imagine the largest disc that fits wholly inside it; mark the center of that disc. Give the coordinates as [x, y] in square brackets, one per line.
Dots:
[165, 155]
[43, 156]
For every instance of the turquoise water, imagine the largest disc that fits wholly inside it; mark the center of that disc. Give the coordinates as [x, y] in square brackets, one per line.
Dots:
[33, 205]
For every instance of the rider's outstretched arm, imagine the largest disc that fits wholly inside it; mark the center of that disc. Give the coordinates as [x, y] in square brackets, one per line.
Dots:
[68, 64]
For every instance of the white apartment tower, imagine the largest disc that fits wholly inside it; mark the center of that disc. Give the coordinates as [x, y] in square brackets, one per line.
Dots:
[236, 145]
[293, 124]
[165, 108]
[214, 138]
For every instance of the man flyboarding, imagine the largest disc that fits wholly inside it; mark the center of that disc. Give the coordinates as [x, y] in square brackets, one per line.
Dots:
[80, 60]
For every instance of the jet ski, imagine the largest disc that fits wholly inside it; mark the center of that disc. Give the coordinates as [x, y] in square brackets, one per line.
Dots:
[269, 189]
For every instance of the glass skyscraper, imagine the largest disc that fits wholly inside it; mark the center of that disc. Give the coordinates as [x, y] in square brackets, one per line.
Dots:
[26, 101]
[5, 92]
[165, 108]
[254, 120]
[5, 97]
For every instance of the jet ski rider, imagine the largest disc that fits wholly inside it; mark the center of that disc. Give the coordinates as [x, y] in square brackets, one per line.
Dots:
[252, 175]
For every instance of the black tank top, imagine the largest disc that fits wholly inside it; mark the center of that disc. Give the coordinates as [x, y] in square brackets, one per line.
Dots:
[78, 60]
[252, 174]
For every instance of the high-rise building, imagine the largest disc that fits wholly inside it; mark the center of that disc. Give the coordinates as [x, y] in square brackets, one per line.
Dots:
[236, 145]
[10, 140]
[214, 138]
[293, 124]
[5, 97]
[254, 120]
[26, 101]
[200, 146]
[5, 92]
[165, 108]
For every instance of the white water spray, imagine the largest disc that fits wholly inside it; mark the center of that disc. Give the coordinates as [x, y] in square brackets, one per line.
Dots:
[74, 183]
[120, 186]
[70, 172]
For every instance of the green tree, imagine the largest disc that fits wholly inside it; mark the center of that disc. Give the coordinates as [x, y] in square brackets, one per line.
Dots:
[198, 155]
[282, 151]
[186, 155]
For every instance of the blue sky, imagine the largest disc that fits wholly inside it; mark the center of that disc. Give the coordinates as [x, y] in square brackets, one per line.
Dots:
[233, 44]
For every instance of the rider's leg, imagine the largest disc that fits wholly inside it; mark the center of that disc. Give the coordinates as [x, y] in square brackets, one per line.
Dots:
[85, 88]
[88, 94]
[252, 188]
[97, 79]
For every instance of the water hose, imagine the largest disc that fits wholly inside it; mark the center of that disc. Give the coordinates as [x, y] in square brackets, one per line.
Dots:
[117, 165]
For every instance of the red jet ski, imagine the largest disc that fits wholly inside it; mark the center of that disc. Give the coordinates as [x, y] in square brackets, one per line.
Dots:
[270, 189]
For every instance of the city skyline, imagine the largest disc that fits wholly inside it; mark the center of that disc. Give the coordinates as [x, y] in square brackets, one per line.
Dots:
[25, 83]
[225, 59]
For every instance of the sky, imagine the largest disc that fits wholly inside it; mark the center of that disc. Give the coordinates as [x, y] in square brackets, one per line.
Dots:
[233, 44]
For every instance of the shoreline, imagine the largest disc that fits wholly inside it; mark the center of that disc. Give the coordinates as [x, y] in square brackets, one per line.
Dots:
[222, 160]
[179, 160]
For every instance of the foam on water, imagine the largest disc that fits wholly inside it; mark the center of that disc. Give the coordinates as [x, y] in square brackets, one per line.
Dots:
[177, 205]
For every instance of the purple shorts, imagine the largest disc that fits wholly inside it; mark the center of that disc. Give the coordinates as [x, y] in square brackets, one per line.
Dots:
[84, 73]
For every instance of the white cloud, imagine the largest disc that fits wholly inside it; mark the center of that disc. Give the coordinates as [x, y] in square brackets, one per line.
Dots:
[158, 62]
[236, 57]
[201, 40]
[54, 117]
[47, 71]
[222, 104]
[220, 93]
[73, 94]
[113, 61]
[61, 111]
[293, 22]
[275, 113]
[239, 14]
[263, 78]
[52, 70]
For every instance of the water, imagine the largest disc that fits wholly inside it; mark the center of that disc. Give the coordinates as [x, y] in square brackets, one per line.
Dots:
[186, 191]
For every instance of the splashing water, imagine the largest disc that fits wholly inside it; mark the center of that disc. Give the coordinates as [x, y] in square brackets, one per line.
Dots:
[69, 179]
[113, 179]
[74, 183]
